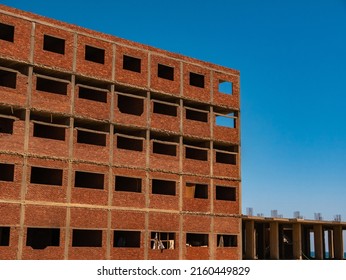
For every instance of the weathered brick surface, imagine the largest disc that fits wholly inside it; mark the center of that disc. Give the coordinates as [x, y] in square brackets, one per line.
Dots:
[47, 101]
[90, 108]
[20, 48]
[41, 192]
[165, 85]
[11, 190]
[91, 68]
[49, 58]
[130, 77]
[15, 96]
[68, 207]
[13, 142]
[90, 195]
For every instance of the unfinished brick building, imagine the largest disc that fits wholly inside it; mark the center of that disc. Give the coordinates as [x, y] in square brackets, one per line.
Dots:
[110, 148]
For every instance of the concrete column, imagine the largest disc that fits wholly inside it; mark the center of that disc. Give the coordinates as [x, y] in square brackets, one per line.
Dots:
[274, 240]
[330, 244]
[297, 241]
[338, 242]
[318, 238]
[250, 246]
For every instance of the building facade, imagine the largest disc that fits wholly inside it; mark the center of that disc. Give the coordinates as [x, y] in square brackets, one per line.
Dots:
[110, 149]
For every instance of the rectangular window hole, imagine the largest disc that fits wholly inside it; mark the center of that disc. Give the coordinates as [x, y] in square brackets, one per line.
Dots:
[132, 63]
[130, 105]
[196, 190]
[91, 138]
[225, 87]
[226, 120]
[196, 154]
[6, 125]
[127, 239]
[6, 172]
[46, 176]
[163, 187]
[128, 184]
[128, 143]
[164, 149]
[53, 44]
[51, 86]
[41, 238]
[196, 80]
[8, 79]
[4, 234]
[49, 131]
[196, 115]
[226, 158]
[196, 240]
[162, 240]
[165, 72]
[92, 94]
[86, 238]
[94, 54]
[89, 180]
[165, 109]
[227, 240]
[6, 32]
[226, 193]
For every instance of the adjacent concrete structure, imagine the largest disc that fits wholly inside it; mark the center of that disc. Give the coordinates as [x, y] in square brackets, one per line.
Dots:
[282, 238]
[110, 149]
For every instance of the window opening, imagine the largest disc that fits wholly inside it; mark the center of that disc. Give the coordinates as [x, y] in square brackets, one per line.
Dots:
[53, 44]
[91, 138]
[131, 63]
[162, 240]
[94, 54]
[6, 32]
[228, 120]
[6, 172]
[164, 148]
[196, 190]
[128, 184]
[130, 105]
[226, 158]
[196, 80]
[41, 238]
[226, 240]
[4, 234]
[225, 87]
[225, 193]
[165, 109]
[165, 72]
[127, 239]
[163, 187]
[89, 180]
[49, 131]
[196, 240]
[92, 94]
[6, 125]
[196, 115]
[196, 154]
[46, 176]
[128, 143]
[86, 238]
[8, 79]
[51, 86]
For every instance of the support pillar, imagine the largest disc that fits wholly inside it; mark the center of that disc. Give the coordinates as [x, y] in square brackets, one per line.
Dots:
[250, 246]
[331, 244]
[297, 241]
[338, 243]
[318, 238]
[274, 240]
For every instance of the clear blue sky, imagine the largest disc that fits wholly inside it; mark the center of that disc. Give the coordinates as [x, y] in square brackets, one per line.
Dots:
[292, 60]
